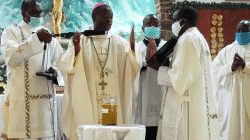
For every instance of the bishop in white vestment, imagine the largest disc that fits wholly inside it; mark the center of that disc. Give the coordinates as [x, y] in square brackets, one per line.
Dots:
[188, 108]
[105, 66]
[232, 81]
[30, 99]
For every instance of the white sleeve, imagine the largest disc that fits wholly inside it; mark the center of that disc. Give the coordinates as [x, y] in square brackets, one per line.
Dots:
[163, 77]
[14, 52]
[56, 54]
[144, 62]
[247, 68]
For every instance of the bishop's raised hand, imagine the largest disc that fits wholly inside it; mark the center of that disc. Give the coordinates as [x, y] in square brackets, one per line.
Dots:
[132, 39]
[76, 40]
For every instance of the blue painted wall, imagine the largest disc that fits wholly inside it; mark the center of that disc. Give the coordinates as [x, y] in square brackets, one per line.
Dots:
[78, 14]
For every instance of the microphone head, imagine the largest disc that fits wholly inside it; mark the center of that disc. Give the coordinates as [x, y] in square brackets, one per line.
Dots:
[93, 32]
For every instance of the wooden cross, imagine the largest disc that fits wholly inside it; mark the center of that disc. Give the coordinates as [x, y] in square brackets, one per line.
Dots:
[103, 84]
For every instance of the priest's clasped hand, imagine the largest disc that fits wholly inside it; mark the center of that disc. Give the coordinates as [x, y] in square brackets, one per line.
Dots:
[238, 62]
[51, 70]
[44, 36]
[156, 65]
[76, 41]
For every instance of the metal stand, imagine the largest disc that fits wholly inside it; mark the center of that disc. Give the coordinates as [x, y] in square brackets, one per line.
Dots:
[42, 72]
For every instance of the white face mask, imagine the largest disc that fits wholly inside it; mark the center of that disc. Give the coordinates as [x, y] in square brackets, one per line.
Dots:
[176, 27]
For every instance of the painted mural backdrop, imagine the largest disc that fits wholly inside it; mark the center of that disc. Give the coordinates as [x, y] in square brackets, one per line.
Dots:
[78, 14]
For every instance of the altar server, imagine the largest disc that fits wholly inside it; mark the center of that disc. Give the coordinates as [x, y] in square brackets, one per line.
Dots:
[148, 96]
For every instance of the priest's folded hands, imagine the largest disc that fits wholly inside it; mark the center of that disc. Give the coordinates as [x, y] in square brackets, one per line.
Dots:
[238, 62]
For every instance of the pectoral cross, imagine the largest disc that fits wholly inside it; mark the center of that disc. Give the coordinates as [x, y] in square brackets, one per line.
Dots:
[103, 84]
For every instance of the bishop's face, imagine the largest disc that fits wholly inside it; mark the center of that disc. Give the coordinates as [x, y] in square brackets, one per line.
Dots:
[103, 20]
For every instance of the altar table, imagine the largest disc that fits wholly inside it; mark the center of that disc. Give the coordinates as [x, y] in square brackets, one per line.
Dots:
[119, 132]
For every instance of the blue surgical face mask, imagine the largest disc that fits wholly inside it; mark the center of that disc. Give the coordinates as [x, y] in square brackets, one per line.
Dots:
[35, 21]
[152, 31]
[243, 38]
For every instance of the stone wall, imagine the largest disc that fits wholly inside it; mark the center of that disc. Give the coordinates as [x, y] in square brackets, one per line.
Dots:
[163, 10]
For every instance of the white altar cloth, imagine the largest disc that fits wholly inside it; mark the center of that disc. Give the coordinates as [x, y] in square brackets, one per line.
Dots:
[119, 132]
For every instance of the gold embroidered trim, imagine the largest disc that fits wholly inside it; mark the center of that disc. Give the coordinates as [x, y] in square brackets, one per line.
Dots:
[20, 50]
[28, 97]
[27, 101]
[40, 96]
[7, 103]
[4, 135]
[213, 116]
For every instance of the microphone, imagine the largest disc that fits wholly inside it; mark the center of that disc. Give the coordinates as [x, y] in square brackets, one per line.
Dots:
[42, 72]
[85, 33]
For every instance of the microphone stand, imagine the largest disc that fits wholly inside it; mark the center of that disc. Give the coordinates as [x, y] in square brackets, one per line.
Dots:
[42, 72]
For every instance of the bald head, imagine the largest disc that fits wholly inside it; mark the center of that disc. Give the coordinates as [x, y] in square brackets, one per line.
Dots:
[102, 17]
[243, 26]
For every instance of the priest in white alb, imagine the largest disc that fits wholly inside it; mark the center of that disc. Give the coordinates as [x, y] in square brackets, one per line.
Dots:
[28, 110]
[147, 92]
[188, 107]
[95, 67]
[231, 69]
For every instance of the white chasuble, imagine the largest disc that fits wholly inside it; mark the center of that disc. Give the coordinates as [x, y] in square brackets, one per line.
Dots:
[104, 79]
[147, 107]
[34, 118]
[83, 91]
[232, 92]
[191, 83]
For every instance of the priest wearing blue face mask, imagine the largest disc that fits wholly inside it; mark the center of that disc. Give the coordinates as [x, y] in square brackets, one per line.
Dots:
[231, 69]
[148, 97]
[28, 109]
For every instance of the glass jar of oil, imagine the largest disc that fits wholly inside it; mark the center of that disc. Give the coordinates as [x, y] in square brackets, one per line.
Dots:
[109, 111]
